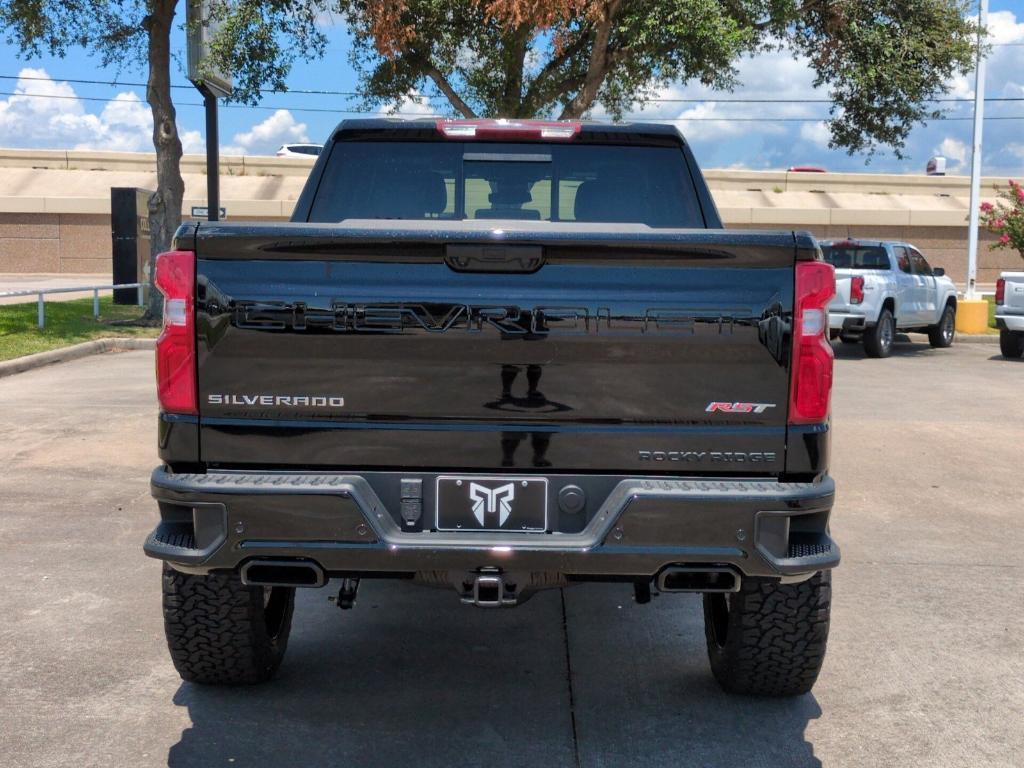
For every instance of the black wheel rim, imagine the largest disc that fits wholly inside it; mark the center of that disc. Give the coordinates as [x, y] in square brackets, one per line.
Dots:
[886, 333]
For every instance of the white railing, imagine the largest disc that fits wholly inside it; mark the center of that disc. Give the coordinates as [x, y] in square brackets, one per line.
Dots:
[41, 293]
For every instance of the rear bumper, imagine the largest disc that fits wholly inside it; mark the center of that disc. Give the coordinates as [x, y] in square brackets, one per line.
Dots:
[848, 322]
[218, 521]
[1010, 322]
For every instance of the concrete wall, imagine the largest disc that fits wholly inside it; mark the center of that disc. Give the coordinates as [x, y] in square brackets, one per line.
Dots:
[71, 243]
[55, 205]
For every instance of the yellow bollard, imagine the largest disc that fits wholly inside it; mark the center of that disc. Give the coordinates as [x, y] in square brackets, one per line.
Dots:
[971, 316]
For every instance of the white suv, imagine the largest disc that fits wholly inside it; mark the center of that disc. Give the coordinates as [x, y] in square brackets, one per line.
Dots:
[884, 286]
[300, 150]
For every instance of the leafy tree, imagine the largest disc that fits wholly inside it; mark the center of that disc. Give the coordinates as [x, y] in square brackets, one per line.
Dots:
[1006, 218]
[882, 61]
[126, 33]
[122, 33]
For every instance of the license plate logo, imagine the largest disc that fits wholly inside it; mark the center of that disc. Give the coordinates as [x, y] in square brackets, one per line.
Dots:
[488, 501]
[492, 503]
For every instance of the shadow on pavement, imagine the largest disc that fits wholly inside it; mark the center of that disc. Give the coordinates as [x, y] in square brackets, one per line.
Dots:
[903, 346]
[411, 677]
[646, 697]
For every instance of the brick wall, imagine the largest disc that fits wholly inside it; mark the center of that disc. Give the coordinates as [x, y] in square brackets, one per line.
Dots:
[55, 243]
[944, 247]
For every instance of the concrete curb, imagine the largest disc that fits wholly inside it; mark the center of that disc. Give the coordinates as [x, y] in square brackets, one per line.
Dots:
[62, 355]
[977, 338]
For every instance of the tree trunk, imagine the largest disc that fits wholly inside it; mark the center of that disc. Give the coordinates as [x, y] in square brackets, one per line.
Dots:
[598, 67]
[165, 203]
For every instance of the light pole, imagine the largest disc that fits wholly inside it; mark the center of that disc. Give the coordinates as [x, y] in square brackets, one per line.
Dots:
[979, 125]
[972, 311]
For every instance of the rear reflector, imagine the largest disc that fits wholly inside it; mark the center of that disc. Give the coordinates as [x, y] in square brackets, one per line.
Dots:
[552, 130]
[856, 290]
[176, 347]
[1000, 291]
[811, 365]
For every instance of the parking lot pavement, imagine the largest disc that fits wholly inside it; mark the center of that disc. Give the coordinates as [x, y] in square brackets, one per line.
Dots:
[925, 664]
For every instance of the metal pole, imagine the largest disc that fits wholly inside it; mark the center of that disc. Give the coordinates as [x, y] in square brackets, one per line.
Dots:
[41, 313]
[212, 157]
[96, 302]
[138, 290]
[979, 121]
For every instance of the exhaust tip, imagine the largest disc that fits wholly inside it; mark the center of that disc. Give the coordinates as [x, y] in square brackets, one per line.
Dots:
[282, 573]
[698, 579]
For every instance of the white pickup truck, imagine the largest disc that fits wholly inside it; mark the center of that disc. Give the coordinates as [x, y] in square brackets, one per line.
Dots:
[884, 286]
[1010, 313]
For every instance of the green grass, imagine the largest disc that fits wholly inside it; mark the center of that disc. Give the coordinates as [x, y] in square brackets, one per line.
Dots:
[991, 312]
[67, 322]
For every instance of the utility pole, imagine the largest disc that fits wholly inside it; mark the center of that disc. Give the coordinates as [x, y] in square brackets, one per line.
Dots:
[979, 121]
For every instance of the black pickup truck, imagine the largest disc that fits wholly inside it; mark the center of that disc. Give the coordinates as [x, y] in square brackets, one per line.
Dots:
[498, 357]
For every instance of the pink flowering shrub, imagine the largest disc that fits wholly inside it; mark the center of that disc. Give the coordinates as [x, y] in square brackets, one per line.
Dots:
[1006, 218]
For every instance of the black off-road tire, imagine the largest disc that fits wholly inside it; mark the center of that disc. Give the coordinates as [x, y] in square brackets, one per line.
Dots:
[221, 632]
[846, 338]
[1011, 343]
[879, 338]
[769, 639]
[941, 336]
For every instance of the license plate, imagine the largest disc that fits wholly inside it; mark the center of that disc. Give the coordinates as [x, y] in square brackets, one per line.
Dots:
[492, 504]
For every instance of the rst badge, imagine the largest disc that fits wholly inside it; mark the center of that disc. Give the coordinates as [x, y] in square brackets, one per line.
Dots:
[716, 407]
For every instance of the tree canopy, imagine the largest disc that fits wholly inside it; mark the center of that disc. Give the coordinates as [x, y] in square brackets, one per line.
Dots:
[883, 62]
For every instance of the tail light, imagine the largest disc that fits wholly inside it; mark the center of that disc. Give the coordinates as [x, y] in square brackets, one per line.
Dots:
[1000, 291]
[856, 290]
[811, 365]
[176, 347]
[552, 130]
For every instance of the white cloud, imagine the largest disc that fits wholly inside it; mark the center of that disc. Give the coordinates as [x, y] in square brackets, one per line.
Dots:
[266, 137]
[779, 75]
[954, 150]
[816, 133]
[1004, 28]
[192, 142]
[47, 113]
[415, 105]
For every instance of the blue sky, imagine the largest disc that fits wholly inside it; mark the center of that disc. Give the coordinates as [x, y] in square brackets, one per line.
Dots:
[105, 117]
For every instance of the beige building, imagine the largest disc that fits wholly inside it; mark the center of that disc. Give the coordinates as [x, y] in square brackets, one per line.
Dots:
[55, 205]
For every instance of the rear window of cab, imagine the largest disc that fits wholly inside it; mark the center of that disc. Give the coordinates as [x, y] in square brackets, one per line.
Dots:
[423, 180]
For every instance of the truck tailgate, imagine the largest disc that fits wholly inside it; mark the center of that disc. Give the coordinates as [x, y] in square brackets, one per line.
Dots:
[389, 344]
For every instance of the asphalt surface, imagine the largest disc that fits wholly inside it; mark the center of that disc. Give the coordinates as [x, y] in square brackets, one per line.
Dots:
[925, 664]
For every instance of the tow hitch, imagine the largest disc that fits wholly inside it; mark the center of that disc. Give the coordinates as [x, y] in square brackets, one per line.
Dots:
[488, 589]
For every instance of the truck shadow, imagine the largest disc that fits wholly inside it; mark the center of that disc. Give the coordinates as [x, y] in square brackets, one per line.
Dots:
[412, 677]
[904, 346]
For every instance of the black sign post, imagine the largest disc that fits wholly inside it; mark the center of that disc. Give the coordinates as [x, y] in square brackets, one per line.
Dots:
[213, 84]
[212, 155]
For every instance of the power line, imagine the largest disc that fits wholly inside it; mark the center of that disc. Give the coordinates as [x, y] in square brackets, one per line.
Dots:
[354, 94]
[630, 116]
